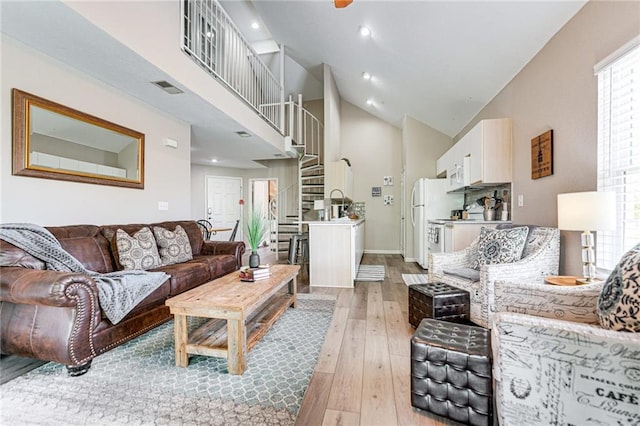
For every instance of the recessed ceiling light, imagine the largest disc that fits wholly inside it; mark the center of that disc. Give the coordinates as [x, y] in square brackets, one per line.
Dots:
[366, 76]
[370, 102]
[243, 134]
[255, 25]
[214, 160]
[364, 31]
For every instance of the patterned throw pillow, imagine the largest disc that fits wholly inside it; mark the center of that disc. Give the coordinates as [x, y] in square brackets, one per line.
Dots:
[500, 245]
[137, 251]
[619, 302]
[174, 245]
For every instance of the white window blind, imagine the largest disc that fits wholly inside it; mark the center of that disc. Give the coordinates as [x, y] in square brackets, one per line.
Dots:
[619, 150]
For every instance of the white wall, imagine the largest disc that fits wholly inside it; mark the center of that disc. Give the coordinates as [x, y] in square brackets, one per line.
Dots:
[422, 145]
[52, 202]
[558, 90]
[374, 149]
[284, 170]
[332, 118]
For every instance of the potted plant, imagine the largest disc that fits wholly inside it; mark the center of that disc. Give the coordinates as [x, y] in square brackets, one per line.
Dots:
[256, 230]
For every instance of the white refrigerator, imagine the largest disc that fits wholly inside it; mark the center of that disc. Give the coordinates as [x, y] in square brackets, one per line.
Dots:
[429, 201]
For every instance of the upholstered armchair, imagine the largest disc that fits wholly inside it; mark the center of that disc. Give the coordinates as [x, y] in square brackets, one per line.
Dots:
[540, 258]
[569, 355]
[557, 372]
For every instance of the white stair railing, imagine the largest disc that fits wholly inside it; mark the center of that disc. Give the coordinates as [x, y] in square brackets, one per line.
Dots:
[212, 40]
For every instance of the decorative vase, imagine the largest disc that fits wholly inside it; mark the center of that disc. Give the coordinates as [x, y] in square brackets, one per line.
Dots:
[254, 260]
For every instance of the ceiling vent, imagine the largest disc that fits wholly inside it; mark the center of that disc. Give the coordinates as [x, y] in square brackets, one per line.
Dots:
[243, 134]
[167, 87]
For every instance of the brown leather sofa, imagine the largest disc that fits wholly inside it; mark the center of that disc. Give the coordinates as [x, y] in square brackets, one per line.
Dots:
[55, 316]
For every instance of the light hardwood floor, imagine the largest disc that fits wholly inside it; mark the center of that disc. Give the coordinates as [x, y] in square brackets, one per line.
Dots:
[363, 373]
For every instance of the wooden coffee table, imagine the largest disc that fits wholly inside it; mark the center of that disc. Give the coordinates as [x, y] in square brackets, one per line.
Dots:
[248, 309]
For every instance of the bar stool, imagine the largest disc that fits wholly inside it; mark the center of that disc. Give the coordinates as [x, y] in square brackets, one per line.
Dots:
[299, 249]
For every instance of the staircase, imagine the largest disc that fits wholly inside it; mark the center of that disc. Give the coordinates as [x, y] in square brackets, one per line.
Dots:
[305, 138]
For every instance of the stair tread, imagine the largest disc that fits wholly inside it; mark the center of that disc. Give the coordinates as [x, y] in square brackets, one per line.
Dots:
[313, 167]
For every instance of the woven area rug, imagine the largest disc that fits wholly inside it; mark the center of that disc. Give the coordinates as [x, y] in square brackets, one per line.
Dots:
[410, 279]
[370, 273]
[139, 384]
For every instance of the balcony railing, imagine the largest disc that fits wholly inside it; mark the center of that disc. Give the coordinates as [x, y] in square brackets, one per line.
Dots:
[213, 41]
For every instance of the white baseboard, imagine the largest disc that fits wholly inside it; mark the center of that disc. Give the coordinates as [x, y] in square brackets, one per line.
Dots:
[383, 252]
[410, 259]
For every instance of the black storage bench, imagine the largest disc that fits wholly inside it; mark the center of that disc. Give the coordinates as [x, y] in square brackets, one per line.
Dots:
[439, 301]
[451, 371]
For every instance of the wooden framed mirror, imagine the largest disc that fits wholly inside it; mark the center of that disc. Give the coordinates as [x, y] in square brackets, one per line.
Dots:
[53, 141]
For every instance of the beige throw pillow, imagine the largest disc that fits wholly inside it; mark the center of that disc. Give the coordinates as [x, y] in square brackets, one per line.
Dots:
[174, 245]
[137, 251]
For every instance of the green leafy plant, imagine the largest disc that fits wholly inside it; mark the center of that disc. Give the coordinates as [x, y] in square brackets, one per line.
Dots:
[256, 229]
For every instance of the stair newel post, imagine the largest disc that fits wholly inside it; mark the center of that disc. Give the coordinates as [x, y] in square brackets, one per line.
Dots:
[291, 117]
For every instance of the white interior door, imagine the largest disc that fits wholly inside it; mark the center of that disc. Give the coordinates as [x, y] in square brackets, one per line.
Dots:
[223, 205]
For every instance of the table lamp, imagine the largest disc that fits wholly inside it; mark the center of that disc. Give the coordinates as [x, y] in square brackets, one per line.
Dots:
[587, 211]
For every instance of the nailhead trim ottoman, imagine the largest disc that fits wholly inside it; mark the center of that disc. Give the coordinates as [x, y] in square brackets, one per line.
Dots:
[451, 371]
[439, 301]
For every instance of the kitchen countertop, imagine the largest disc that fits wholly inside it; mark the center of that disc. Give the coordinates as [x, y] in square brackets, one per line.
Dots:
[468, 221]
[341, 221]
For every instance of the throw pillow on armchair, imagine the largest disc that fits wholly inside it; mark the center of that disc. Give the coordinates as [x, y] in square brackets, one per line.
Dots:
[619, 302]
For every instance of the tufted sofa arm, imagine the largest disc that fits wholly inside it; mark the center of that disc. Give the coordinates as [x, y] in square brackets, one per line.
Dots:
[55, 312]
[234, 248]
[578, 372]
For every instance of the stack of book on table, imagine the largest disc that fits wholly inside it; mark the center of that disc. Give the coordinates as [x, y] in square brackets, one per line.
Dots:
[254, 274]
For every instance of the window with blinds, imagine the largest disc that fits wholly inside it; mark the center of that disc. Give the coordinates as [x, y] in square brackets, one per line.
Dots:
[619, 149]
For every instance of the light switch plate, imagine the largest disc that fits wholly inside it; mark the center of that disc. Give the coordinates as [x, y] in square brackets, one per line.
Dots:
[521, 200]
[163, 205]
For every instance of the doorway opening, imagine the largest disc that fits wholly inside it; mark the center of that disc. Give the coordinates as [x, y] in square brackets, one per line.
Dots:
[264, 198]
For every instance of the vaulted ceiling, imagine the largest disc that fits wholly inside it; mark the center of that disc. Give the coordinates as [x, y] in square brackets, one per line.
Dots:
[437, 61]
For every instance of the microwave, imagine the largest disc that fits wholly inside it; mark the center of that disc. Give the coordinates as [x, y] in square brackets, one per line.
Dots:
[458, 175]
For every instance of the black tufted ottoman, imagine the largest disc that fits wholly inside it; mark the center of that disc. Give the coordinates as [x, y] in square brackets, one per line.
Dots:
[438, 301]
[451, 371]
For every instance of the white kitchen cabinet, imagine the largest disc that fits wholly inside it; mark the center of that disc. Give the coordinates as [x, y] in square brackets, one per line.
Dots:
[483, 156]
[490, 151]
[459, 235]
[338, 175]
[335, 251]
[444, 163]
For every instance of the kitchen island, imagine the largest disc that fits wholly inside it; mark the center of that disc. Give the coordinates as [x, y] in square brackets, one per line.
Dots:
[335, 251]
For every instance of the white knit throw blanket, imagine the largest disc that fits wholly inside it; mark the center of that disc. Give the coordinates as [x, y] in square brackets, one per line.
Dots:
[118, 292]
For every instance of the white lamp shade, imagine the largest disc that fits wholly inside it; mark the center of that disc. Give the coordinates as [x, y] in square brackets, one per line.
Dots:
[587, 211]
